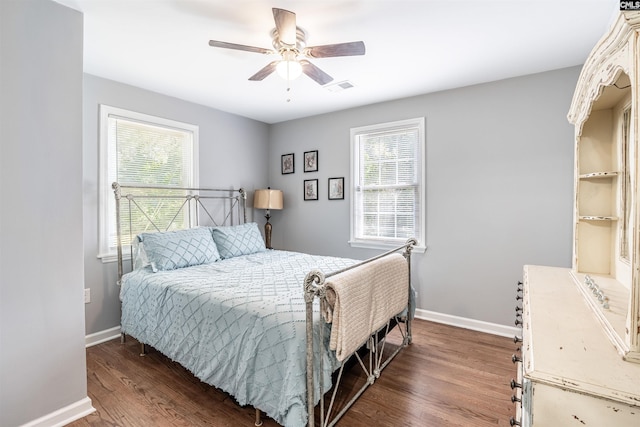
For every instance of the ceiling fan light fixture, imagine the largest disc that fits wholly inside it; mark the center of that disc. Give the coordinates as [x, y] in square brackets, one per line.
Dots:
[289, 70]
[290, 42]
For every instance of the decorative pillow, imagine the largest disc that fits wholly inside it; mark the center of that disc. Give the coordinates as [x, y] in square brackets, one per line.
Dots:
[238, 240]
[168, 250]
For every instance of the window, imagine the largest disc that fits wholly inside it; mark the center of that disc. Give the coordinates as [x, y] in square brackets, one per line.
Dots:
[387, 194]
[138, 149]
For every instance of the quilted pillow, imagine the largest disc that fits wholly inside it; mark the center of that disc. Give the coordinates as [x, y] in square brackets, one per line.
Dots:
[168, 250]
[238, 240]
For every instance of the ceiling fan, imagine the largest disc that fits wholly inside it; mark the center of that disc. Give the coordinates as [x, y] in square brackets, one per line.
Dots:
[290, 42]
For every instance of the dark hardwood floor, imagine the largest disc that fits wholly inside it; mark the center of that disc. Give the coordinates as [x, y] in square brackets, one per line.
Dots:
[447, 377]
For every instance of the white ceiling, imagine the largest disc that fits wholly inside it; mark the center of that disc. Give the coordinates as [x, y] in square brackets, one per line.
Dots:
[412, 47]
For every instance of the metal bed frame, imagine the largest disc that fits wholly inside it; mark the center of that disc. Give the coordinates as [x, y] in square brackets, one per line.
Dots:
[196, 204]
[315, 287]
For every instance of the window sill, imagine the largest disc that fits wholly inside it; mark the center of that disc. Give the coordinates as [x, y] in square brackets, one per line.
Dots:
[109, 258]
[383, 245]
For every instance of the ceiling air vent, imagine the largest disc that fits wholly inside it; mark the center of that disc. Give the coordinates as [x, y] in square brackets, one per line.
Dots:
[340, 86]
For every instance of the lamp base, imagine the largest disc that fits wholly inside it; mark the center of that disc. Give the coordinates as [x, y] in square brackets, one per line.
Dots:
[267, 232]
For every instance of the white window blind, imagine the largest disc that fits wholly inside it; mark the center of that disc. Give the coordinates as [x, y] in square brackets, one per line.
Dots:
[139, 149]
[387, 202]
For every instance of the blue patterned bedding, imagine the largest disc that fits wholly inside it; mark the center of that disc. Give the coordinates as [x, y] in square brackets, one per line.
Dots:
[237, 324]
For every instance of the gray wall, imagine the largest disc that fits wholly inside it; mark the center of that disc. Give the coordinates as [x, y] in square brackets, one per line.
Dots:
[232, 153]
[499, 184]
[499, 188]
[42, 356]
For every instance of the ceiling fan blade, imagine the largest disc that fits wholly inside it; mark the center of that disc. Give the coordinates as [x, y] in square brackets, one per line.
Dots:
[315, 73]
[265, 71]
[286, 25]
[225, 45]
[339, 49]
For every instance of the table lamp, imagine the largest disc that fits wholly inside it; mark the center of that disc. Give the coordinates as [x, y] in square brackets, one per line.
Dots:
[267, 199]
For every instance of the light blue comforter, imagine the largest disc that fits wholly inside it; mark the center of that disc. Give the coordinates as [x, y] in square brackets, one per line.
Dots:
[237, 324]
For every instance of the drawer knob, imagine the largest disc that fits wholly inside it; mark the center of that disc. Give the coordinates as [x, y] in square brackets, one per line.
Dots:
[518, 309]
[515, 359]
[518, 297]
[515, 385]
[517, 339]
[518, 321]
[514, 422]
[515, 399]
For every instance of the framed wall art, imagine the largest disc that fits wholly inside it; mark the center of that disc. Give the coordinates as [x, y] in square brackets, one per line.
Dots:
[310, 189]
[287, 163]
[311, 161]
[336, 188]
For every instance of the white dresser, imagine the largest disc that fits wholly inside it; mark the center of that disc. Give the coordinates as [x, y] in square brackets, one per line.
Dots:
[570, 373]
[579, 364]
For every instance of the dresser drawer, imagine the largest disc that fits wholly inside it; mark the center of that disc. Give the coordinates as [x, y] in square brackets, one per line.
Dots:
[553, 406]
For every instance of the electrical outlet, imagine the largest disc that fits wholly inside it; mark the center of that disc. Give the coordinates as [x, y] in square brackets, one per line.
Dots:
[87, 295]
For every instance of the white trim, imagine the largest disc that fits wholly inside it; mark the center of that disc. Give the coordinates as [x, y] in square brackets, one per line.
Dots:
[107, 258]
[102, 336]
[383, 245]
[432, 316]
[64, 416]
[463, 322]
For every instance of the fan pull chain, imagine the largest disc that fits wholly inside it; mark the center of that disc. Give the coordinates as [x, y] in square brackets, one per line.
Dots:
[288, 86]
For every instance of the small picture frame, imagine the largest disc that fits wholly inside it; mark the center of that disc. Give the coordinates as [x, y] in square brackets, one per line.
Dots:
[311, 161]
[336, 188]
[310, 189]
[287, 163]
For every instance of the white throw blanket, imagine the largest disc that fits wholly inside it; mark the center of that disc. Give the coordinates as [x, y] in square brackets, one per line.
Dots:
[360, 301]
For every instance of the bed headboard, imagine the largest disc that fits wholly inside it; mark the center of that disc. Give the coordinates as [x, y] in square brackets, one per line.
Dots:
[152, 208]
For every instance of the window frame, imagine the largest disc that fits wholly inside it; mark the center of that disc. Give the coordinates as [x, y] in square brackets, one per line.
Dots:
[105, 253]
[355, 134]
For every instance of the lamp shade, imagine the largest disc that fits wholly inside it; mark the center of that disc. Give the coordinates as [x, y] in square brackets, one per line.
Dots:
[267, 199]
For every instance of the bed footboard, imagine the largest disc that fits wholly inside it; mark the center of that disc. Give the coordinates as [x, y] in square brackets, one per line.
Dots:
[319, 285]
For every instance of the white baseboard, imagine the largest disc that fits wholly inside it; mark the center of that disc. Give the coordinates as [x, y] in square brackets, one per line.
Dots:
[64, 416]
[102, 336]
[463, 322]
[433, 316]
